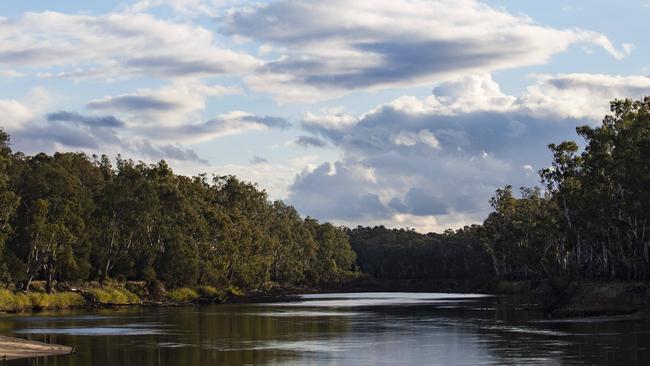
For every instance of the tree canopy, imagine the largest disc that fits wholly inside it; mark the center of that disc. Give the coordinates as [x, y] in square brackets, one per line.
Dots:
[71, 217]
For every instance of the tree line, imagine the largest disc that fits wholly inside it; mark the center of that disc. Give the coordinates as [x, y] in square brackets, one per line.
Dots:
[404, 254]
[588, 220]
[68, 217]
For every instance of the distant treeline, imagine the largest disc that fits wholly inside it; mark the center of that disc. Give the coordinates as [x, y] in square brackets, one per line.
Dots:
[68, 217]
[404, 254]
[590, 219]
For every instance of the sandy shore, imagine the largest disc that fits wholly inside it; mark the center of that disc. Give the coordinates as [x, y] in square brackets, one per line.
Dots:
[12, 348]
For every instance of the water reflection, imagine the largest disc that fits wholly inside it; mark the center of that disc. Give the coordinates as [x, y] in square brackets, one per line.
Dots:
[337, 329]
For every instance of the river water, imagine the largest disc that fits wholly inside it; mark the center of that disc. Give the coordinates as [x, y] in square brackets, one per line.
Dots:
[336, 329]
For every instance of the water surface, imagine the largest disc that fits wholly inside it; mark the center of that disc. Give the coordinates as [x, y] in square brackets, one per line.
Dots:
[337, 329]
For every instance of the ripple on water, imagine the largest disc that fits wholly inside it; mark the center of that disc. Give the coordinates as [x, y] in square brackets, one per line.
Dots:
[66, 318]
[369, 299]
[306, 314]
[122, 330]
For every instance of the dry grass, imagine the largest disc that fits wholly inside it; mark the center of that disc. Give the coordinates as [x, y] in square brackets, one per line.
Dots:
[15, 302]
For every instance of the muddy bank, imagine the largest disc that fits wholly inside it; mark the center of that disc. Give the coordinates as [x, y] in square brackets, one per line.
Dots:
[602, 298]
[13, 348]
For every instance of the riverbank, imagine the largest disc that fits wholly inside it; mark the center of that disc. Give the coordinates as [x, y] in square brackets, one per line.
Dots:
[14, 348]
[575, 300]
[601, 299]
[92, 295]
[579, 299]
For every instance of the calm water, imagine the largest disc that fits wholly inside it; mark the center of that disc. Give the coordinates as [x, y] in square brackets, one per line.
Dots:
[336, 329]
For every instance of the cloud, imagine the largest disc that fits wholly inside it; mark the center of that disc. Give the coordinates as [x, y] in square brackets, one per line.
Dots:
[435, 160]
[46, 138]
[96, 121]
[14, 113]
[231, 123]
[115, 45]
[310, 141]
[582, 95]
[17, 114]
[176, 104]
[173, 152]
[326, 49]
[332, 125]
[191, 8]
[424, 136]
[71, 131]
[255, 160]
[133, 103]
[335, 197]
[10, 73]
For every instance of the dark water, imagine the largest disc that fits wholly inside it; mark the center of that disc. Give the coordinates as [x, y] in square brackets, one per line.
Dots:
[336, 329]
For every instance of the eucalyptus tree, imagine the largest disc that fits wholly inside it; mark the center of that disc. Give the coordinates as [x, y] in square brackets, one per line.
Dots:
[8, 199]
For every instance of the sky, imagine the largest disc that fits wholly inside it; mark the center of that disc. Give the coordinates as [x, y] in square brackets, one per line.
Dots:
[404, 113]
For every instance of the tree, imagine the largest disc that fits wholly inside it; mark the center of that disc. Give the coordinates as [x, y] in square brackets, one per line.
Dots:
[8, 199]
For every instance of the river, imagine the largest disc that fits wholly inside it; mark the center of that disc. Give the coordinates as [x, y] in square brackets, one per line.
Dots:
[336, 329]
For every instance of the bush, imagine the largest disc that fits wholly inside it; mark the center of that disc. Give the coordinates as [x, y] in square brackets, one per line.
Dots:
[182, 294]
[14, 302]
[37, 286]
[137, 288]
[62, 300]
[234, 291]
[17, 302]
[208, 292]
[113, 296]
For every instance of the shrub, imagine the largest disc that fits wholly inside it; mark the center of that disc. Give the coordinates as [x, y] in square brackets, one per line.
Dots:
[62, 300]
[113, 296]
[208, 292]
[14, 302]
[137, 288]
[235, 291]
[182, 294]
[17, 302]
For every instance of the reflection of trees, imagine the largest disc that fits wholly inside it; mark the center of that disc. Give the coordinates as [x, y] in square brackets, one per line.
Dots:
[216, 335]
[241, 335]
[514, 339]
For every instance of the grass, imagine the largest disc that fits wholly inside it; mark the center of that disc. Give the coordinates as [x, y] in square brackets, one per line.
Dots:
[17, 302]
[62, 300]
[38, 300]
[183, 294]
[112, 296]
[208, 292]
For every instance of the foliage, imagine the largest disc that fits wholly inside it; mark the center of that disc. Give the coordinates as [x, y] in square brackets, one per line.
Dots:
[403, 254]
[183, 294]
[68, 217]
[18, 302]
[591, 220]
[112, 296]
[208, 292]
[62, 300]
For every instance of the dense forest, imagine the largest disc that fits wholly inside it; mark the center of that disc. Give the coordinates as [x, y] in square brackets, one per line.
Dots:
[589, 219]
[70, 217]
[454, 257]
